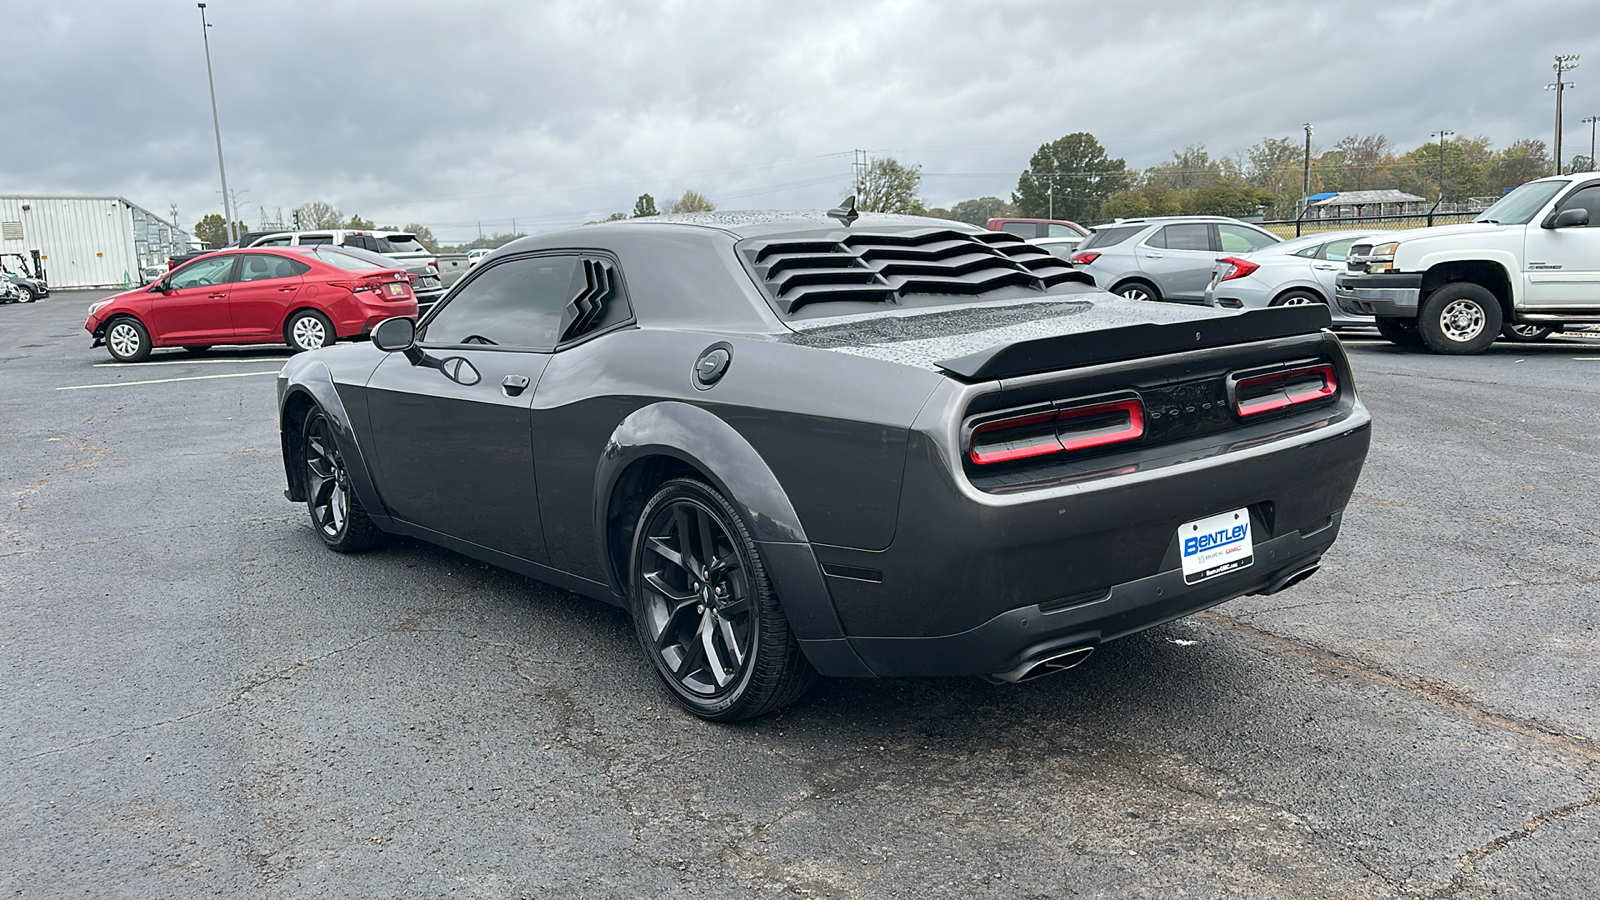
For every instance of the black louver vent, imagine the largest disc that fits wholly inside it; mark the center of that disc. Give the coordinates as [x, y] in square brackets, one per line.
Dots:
[585, 309]
[885, 267]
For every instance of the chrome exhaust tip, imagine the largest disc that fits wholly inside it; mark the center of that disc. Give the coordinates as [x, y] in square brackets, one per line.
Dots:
[1293, 578]
[1046, 664]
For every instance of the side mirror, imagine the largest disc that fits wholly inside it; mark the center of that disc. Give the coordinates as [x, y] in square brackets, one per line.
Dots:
[1569, 218]
[395, 335]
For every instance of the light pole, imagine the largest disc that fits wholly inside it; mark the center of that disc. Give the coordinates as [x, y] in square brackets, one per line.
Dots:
[1442, 135]
[1590, 122]
[227, 212]
[1565, 63]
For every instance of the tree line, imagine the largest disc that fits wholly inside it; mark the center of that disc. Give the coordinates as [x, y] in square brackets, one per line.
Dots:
[212, 229]
[1074, 178]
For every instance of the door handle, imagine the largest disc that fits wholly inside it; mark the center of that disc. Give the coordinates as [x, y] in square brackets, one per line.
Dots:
[514, 384]
[1152, 256]
[215, 296]
[1326, 268]
[287, 290]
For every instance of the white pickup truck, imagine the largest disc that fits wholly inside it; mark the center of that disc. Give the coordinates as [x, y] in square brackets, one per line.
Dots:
[1527, 266]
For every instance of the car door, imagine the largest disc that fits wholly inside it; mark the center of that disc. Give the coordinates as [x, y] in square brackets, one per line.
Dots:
[454, 447]
[191, 306]
[1179, 258]
[1329, 262]
[1561, 266]
[264, 294]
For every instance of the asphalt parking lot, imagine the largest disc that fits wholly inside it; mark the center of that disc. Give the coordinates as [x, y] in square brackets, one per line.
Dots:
[197, 699]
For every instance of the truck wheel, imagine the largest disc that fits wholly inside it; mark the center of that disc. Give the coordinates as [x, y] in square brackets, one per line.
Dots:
[1525, 333]
[1400, 332]
[1460, 318]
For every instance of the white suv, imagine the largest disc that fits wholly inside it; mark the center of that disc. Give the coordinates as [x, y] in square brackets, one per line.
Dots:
[398, 244]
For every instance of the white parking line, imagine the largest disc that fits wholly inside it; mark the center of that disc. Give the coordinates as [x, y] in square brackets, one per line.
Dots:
[188, 362]
[85, 387]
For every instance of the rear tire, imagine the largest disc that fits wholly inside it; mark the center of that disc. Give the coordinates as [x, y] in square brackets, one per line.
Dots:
[705, 612]
[127, 340]
[1527, 334]
[308, 330]
[1400, 332]
[1299, 298]
[1137, 290]
[28, 296]
[1460, 318]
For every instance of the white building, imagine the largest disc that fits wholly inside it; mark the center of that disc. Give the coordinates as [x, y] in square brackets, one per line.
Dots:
[86, 242]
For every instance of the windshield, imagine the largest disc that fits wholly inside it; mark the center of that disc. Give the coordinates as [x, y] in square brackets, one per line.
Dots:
[345, 260]
[1522, 204]
[401, 243]
[1107, 237]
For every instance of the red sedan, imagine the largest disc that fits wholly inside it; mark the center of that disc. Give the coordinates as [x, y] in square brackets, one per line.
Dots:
[306, 297]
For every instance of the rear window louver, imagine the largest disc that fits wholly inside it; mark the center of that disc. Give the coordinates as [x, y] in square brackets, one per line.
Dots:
[585, 309]
[885, 267]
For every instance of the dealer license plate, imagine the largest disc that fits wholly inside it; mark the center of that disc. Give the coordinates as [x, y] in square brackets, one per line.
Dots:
[395, 289]
[1215, 545]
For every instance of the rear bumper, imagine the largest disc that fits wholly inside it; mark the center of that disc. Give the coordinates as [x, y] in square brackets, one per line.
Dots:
[1007, 641]
[1396, 295]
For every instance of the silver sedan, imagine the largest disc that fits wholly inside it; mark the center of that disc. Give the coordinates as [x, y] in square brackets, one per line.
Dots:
[1293, 272]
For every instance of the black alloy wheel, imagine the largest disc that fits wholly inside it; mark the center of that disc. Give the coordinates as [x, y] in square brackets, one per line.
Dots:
[704, 610]
[1525, 333]
[336, 513]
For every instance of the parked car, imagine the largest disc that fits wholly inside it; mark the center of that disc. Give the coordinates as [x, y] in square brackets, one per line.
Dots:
[1300, 271]
[476, 255]
[10, 293]
[31, 289]
[152, 273]
[1038, 228]
[304, 297]
[1062, 247]
[243, 240]
[793, 444]
[1527, 266]
[425, 282]
[1165, 257]
[396, 244]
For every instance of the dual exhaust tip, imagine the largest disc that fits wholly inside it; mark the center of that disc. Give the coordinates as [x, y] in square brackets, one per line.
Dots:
[1044, 664]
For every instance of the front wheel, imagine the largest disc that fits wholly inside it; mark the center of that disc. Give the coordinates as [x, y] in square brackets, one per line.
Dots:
[705, 612]
[28, 296]
[1460, 318]
[127, 340]
[336, 512]
[308, 330]
[1525, 333]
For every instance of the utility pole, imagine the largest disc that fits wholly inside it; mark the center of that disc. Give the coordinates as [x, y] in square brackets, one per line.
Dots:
[1590, 122]
[858, 165]
[1442, 135]
[1306, 186]
[205, 36]
[1565, 63]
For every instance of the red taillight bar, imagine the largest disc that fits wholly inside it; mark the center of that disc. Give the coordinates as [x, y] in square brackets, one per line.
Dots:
[1259, 394]
[1057, 431]
[1241, 268]
[1084, 258]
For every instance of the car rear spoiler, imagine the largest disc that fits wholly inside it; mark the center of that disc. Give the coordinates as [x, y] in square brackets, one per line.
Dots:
[1071, 351]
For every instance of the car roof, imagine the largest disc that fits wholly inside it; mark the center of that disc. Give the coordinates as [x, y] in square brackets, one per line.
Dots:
[1165, 220]
[758, 223]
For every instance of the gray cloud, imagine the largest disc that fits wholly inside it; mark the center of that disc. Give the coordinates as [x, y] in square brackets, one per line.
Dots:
[553, 113]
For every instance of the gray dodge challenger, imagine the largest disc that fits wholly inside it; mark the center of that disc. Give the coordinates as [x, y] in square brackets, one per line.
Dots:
[838, 444]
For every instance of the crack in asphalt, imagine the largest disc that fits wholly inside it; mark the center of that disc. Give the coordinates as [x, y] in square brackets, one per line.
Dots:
[1437, 696]
[238, 695]
[1469, 864]
[118, 538]
[1576, 581]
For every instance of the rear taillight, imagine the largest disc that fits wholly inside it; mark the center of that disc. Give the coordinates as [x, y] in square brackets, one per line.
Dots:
[1041, 432]
[1257, 394]
[1241, 268]
[1084, 258]
[372, 282]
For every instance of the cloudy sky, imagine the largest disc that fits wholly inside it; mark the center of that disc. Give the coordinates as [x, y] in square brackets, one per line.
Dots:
[552, 113]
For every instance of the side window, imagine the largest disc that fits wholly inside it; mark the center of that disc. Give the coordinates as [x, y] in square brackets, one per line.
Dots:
[1061, 231]
[1021, 229]
[1239, 239]
[1337, 251]
[1587, 198]
[206, 272]
[1157, 240]
[1309, 252]
[1193, 236]
[312, 240]
[274, 242]
[516, 303]
[265, 266]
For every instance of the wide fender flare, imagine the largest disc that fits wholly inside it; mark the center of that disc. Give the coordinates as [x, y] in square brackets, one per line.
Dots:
[313, 380]
[697, 437]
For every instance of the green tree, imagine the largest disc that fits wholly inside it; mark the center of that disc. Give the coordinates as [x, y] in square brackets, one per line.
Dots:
[891, 187]
[691, 202]
[1276, 166]
[1222, 198]
[1070, 177]
[1519, 163]
[357, 223]
[1358, 163]
[1420, 172]
[423, 233]
[213, 230]
[317, 214]
[1190, 167]
[644, 206]
[978, 212]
